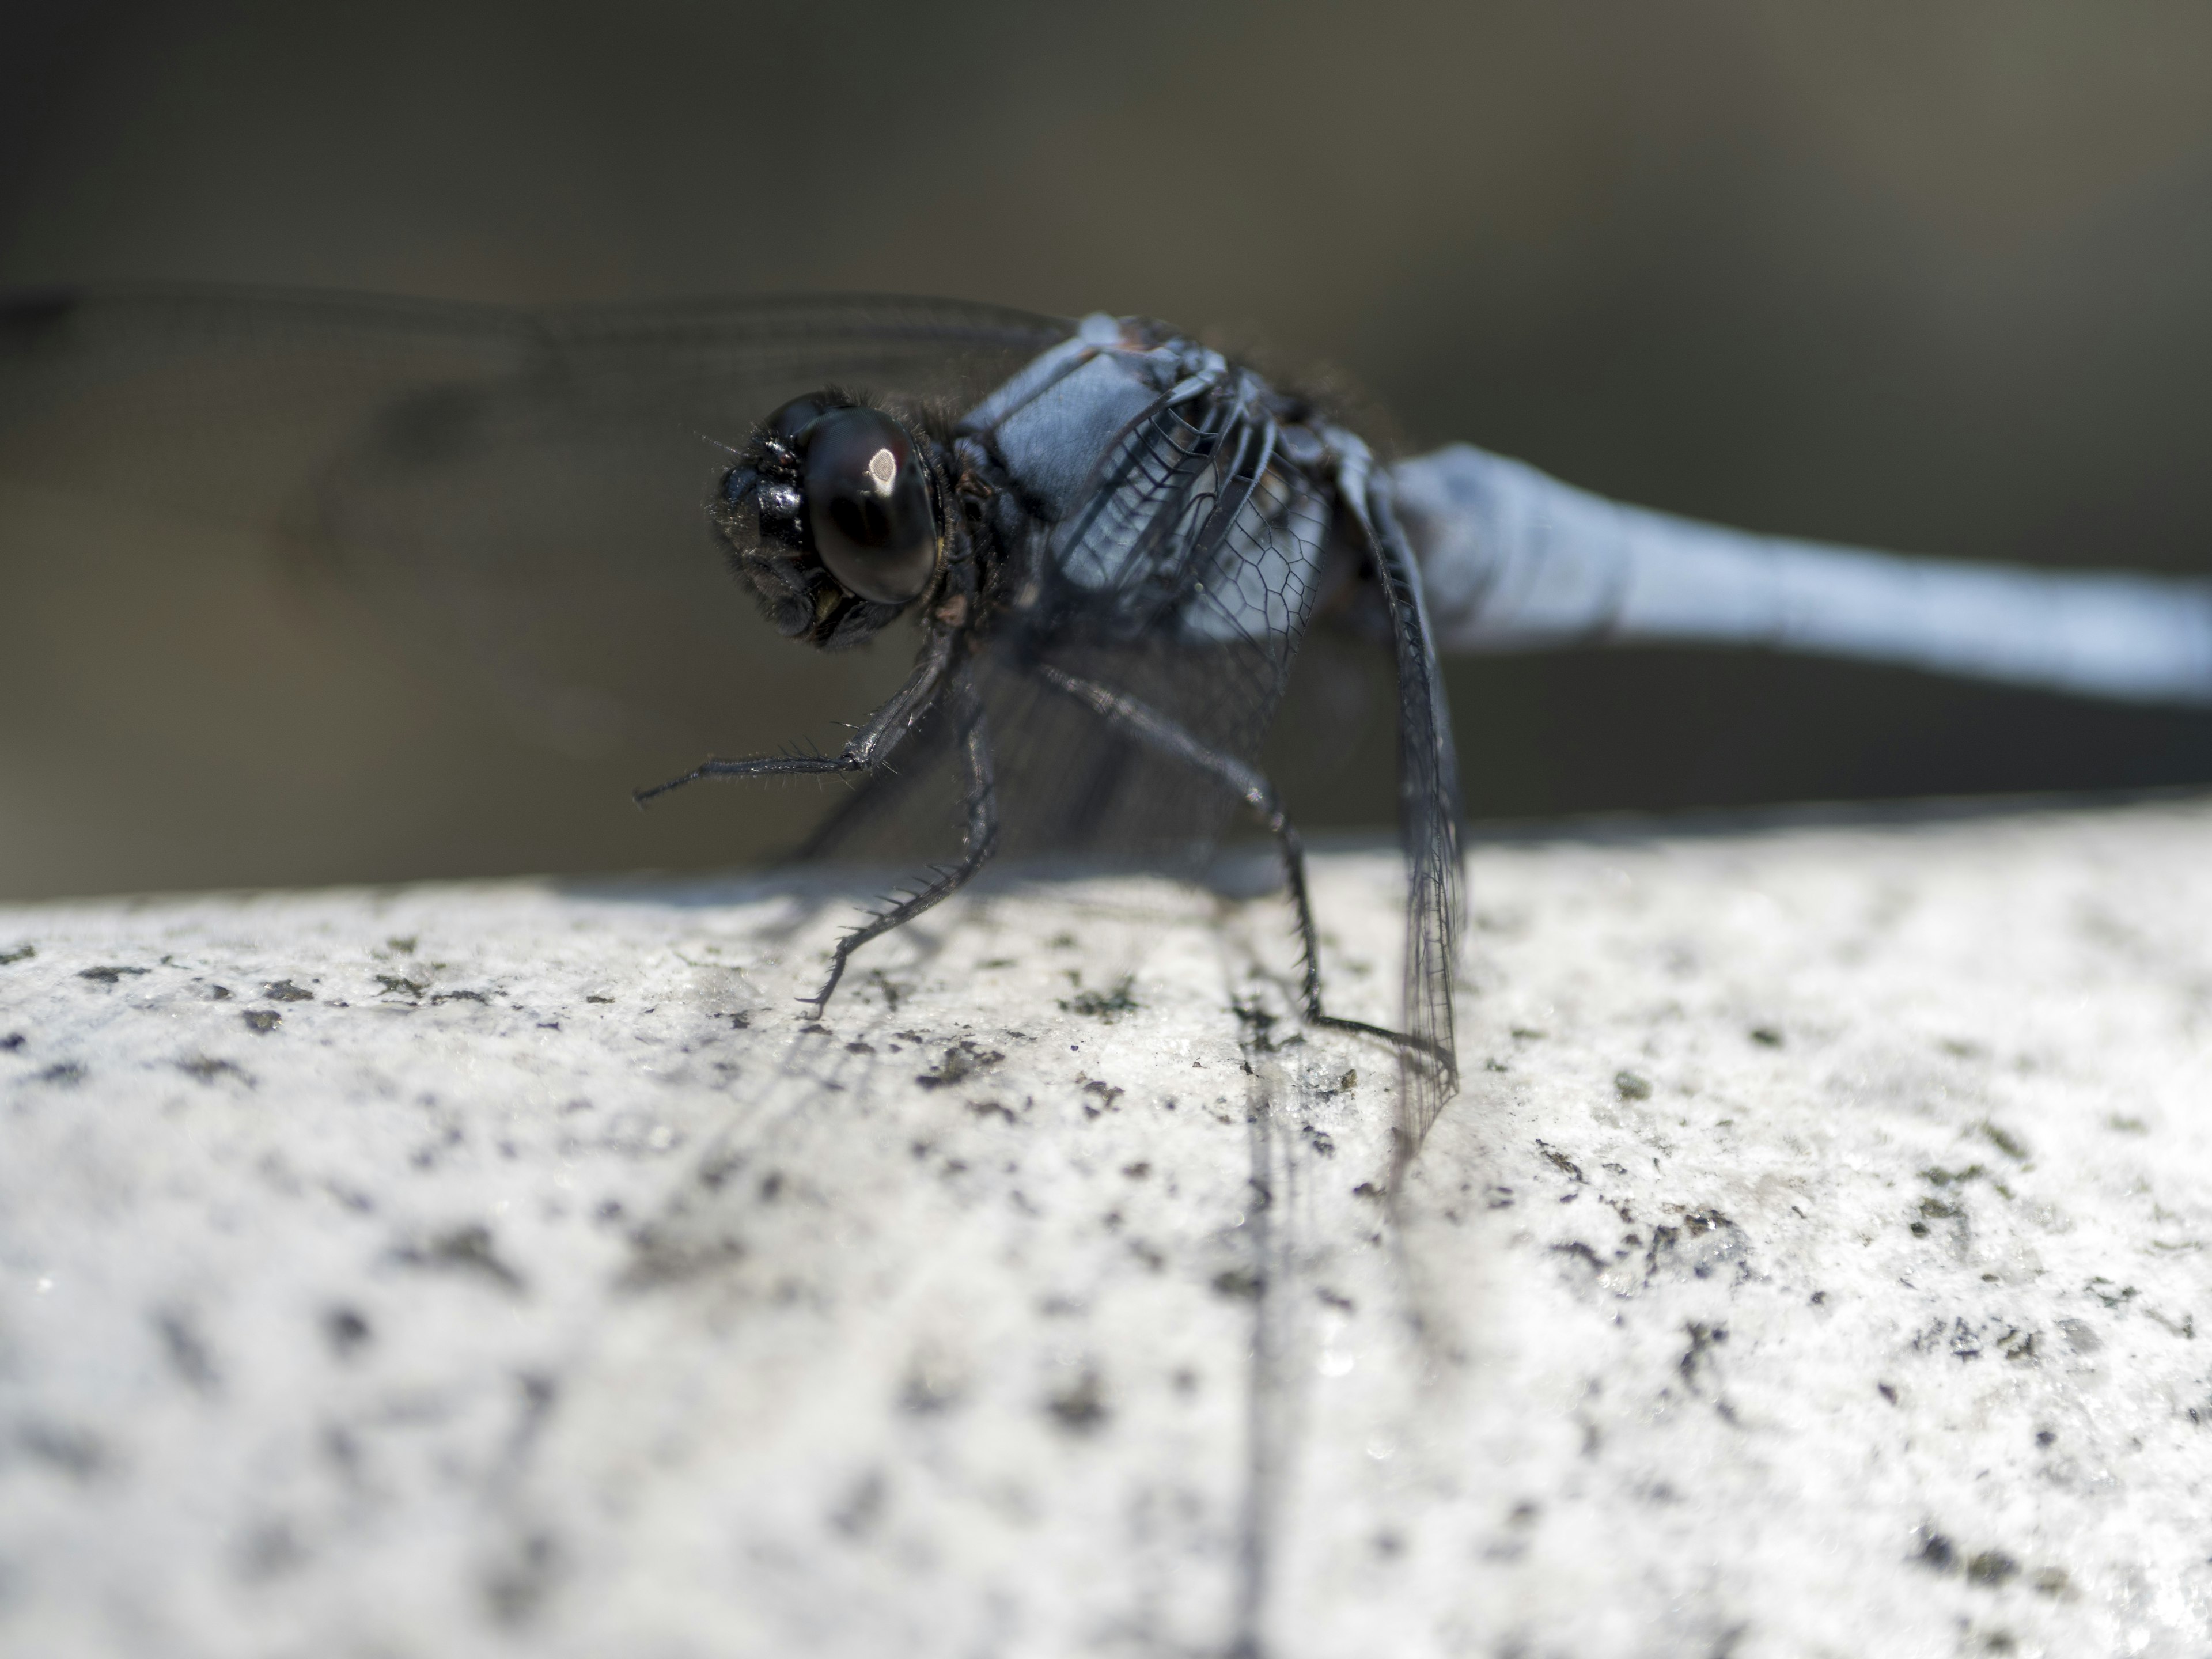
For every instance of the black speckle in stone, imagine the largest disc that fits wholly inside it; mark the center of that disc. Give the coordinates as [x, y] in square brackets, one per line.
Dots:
[11, 1043]
[862, 1509]
[1766, 1036]
[270, 1551]
[929, 1388]
[20, 953]
[1992, 1568]
[659, 1258]
[1938, 1553]
[77, 1453]
[515, 1589]
[67, 1075]
[464, 1250]
[262, 1021]
[106, 976]
[1104, 1004]
[187, 1353]
[207, 1070]
[1565, 1165]
[1631, 1086]
[1080, 1407]
[962, 1060]
[1703, 1339]
[282, 990]
[346, 1330]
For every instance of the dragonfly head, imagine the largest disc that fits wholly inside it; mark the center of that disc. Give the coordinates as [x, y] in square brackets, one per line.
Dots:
[832, 516]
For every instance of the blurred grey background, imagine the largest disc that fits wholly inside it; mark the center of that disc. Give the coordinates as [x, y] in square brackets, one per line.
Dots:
[1929, 277]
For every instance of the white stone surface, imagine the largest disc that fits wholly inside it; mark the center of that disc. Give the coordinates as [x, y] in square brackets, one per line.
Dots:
[1812, 1266]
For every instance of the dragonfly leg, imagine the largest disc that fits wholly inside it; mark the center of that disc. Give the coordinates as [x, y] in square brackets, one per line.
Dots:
[1157, 731]
[870, 746]
[976, 847]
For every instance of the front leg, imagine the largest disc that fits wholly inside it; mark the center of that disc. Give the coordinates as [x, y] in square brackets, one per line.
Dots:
[869, 746]
[981, 841]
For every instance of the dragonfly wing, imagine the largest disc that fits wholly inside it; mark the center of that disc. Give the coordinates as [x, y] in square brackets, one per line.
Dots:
[1428, 819]
[519, 490]
[1180, 580]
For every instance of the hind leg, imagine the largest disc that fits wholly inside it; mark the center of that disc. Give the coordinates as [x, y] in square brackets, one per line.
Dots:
[1155, 730]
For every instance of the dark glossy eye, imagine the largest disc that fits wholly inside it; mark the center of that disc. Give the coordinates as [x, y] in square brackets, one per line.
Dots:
[868, 505]
[794, 418]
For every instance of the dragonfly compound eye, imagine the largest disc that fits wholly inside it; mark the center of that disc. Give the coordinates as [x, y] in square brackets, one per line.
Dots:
[868, 505]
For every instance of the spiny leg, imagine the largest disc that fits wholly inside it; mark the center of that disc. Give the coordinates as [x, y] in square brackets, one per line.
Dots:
[976, 847]
[1156, 731]
[869, 746]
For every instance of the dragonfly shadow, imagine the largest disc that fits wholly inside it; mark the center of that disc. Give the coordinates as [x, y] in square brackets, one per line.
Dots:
[1614, 828]
[1243, 871]
[1235, 871]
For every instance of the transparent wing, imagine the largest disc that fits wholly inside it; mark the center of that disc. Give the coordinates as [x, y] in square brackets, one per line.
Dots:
[1177, 582]
[1199, 549]
[1193, 553]
[1428, 821]
[521, 490]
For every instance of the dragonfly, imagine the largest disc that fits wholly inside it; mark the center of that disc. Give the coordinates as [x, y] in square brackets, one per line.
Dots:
[1111, 539]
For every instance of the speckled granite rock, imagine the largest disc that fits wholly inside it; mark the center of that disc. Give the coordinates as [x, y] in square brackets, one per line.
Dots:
[1814, 1264]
